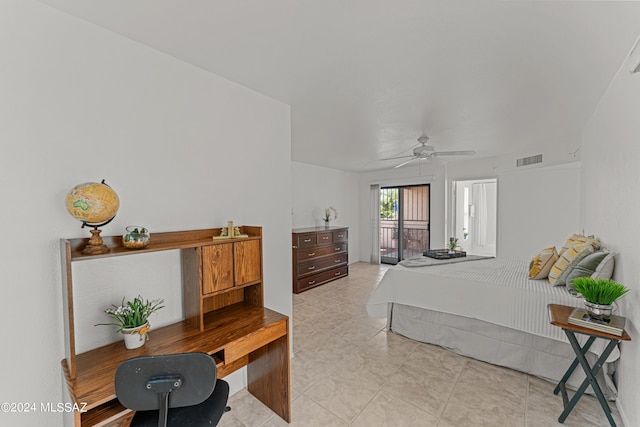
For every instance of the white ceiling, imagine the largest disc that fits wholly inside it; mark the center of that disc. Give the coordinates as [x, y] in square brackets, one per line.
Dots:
[365, 78]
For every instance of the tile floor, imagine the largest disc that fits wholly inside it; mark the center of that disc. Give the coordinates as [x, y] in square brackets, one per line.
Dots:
[348, 371]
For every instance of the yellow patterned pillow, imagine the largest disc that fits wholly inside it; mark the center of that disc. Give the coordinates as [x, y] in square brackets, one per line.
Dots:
[577, 239]
[567, 260]
[542, 263]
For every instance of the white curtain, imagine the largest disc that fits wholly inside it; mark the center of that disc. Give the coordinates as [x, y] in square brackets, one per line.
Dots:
[480, 222]
[375, 223]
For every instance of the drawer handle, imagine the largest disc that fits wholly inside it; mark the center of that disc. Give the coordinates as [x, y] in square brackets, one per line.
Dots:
[307, 240]
[337, 274]
[337, 261]
[313, 267]
[340, 235]
[325, 238]
[312, 254]
[336, 249]
[311, 282]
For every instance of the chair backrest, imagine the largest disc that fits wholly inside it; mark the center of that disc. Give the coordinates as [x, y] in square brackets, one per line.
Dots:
[187, 378]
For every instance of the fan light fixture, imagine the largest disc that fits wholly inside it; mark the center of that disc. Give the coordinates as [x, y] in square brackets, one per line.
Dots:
[426, 152]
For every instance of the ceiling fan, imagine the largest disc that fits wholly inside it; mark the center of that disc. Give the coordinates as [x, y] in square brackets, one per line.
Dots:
[424, 151]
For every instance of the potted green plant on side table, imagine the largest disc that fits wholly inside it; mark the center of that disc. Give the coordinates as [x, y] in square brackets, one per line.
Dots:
[132, 319]
[599, 295]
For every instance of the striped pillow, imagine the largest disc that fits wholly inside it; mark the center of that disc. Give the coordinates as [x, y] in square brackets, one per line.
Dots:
[567, 261]
[542, 263]
[576, 239]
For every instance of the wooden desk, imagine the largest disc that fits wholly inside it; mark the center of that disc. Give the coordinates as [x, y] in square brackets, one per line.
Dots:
[559, 316]
[236, 336]
[223, 303]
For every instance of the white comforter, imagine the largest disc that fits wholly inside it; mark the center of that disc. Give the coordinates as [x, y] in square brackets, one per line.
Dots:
[495, 290]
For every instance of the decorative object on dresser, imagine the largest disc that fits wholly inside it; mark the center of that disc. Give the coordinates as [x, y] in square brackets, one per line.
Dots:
[320, 255]
[224, 316]
[330, 214]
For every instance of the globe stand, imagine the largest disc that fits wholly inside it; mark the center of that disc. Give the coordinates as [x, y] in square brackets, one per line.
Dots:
[95, 246]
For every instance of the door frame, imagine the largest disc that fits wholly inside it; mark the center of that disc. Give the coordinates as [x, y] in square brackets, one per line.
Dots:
[455, 208]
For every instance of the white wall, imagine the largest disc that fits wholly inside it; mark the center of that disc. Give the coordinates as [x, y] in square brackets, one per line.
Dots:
[183, 148]
[609, 205]
[314, 188]
[537, 208]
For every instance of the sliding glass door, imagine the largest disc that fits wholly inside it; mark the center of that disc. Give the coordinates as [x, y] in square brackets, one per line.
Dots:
[404, 222]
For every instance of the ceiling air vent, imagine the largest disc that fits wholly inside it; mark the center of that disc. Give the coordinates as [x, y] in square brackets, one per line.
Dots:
[525, 161]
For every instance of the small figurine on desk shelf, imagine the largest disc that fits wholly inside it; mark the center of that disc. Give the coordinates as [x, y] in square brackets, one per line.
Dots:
[230, 232]
[237, 234]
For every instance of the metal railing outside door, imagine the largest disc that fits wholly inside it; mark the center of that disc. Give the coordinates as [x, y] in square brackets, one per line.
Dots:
[404, 222]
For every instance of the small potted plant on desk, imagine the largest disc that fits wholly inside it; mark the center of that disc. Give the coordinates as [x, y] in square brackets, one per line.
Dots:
[132, 319]
[599, 295]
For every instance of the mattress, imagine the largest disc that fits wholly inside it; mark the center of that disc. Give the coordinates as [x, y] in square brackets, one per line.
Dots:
[496, 291]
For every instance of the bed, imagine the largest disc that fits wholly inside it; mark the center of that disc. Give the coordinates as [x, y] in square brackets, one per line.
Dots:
[487, 309]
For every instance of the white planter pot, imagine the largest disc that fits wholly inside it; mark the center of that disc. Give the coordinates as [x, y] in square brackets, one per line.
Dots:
[135, 337]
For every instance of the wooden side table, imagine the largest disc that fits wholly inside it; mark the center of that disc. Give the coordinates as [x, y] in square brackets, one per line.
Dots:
[559, 316]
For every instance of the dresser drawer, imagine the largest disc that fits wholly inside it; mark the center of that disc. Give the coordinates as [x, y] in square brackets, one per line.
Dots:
[320, 264]
[320, 278]
[304, 254]
[325, 237]
[341, 235]
[307, 240]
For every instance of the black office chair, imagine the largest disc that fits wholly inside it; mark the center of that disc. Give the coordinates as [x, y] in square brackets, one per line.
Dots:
[172, 390]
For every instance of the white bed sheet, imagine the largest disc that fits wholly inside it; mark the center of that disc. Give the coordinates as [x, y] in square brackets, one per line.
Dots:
[495, 290]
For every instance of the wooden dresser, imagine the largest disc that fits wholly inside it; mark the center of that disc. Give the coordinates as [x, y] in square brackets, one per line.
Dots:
[320, 255]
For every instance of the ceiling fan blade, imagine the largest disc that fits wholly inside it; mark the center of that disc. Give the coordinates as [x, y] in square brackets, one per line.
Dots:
[395, 158]
[455, 153]
[404, 163]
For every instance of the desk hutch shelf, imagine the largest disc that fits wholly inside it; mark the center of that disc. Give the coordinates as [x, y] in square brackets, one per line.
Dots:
[224, 316]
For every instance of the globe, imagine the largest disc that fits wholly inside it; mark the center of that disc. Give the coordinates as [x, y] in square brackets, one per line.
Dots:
[92, 203]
